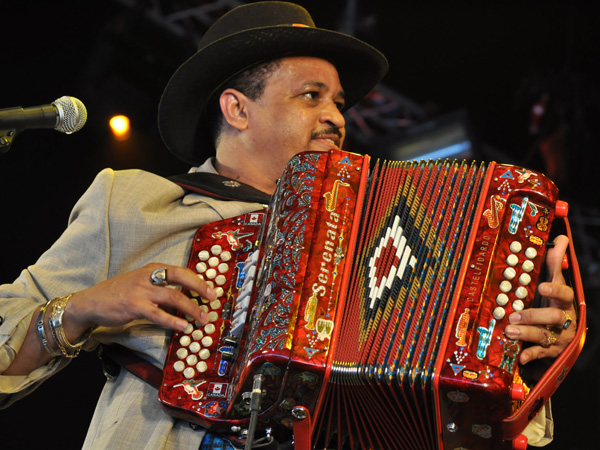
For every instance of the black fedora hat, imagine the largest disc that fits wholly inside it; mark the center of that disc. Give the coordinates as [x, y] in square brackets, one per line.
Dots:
[243, 37]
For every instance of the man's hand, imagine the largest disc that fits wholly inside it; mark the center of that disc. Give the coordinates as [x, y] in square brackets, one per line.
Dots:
[547, 326]
[117, 302]
[132, 296]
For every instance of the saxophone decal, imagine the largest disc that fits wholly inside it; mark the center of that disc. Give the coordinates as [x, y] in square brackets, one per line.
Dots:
[517, 215]
[485, 338]
[491, 214]
[331, 197]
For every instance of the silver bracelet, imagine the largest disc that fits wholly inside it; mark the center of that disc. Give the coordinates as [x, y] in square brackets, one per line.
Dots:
[42, 331]
[67, 349]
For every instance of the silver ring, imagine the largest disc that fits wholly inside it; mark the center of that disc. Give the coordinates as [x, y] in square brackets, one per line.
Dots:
[568, 320]
[159, 277]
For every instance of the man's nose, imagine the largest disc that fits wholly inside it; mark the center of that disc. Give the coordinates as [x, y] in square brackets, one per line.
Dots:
[332, 115]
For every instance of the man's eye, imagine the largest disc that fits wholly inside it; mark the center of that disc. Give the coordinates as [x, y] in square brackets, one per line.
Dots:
[313, 95]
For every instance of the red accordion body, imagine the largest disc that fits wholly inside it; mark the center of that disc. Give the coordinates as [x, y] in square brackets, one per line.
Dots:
[374, 305]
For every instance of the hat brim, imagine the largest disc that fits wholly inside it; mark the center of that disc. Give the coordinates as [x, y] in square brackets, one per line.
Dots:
[359, 65]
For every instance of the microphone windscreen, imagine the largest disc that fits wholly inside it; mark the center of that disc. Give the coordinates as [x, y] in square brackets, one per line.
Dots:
[72, 114]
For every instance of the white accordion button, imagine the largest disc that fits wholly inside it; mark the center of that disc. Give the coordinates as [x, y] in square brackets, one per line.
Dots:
[528, 266]
[201, 267]
[216, 249]
[204, 354]
[505, 286]
[223, 268]
[498, 313]
[213, 316]
[213, 262]
[207, 341]
[197, 335]
[201, 367]
[203, 255]
[184, 341]
[502, 299]
[179, 366]
[219, 291]
[195, 347]
[220, 280]
[182, 353]
[512, 260]
[521, 292]
[525, 279]
[531, 252]
[191, 360]
[509, 273]
[189, 373]
[209, 328]
[515, 246]
[188, 329]
[518, 305]
[211, 274]
[215, 304]
[225, 256]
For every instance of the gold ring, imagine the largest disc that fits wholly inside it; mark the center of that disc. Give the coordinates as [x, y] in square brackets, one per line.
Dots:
[550, 339]
[568, 320]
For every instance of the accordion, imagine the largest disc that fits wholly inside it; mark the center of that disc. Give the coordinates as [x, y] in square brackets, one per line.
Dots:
[366, 308]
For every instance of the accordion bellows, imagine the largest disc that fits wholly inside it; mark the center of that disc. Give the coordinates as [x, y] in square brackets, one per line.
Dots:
[373, 304]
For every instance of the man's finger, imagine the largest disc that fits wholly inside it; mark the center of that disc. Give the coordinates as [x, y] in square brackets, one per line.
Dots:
[538, 316]
[184, 277]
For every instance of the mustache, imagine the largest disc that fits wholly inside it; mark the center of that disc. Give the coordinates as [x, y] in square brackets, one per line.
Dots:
[327, 132]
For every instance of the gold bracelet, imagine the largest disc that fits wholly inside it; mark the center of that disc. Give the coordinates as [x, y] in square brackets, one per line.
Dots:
[56, 325]
[41, 329]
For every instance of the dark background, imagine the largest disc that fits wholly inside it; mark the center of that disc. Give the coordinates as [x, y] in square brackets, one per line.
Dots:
[491, 61]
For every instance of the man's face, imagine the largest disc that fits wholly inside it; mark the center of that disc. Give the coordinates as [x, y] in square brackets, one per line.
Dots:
[299, 110]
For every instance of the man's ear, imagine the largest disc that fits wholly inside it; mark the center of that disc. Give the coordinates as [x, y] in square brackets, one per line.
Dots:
[234, 108]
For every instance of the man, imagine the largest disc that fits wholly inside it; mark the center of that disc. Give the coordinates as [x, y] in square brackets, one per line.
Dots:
[264, 86]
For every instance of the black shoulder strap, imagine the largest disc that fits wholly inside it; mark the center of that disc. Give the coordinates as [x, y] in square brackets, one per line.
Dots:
[220, 187]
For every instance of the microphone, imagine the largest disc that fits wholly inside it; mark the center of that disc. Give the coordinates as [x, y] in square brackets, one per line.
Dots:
[65, 114]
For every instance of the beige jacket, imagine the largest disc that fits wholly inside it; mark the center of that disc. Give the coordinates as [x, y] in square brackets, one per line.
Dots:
[125, 220]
